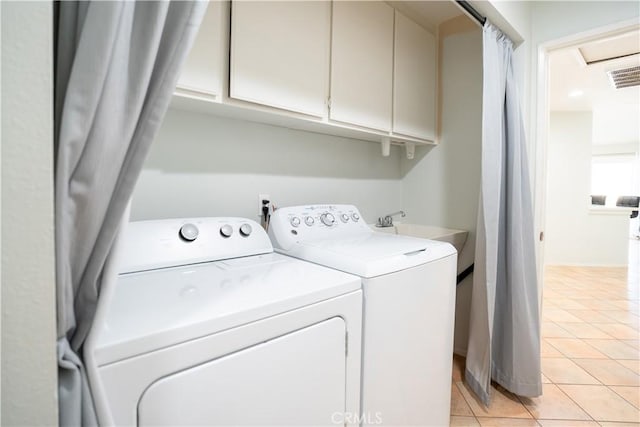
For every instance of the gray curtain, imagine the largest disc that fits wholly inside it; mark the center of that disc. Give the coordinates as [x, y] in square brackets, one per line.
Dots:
[504, 330]
[117, 64]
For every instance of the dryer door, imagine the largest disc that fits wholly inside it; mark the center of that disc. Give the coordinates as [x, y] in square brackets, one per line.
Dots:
[296, 379]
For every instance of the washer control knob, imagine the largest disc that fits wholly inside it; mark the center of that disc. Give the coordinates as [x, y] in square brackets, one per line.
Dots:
[295, 221]
[344, 218]
[309, 221]
[245, 230]
[189, 232]
[327, 219]
[226, 231]
[355, 217]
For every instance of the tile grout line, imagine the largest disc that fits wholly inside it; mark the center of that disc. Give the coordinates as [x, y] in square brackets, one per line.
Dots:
[581, 340]
[525, 406]
[624, 398]
[576, 403]
[464, 397]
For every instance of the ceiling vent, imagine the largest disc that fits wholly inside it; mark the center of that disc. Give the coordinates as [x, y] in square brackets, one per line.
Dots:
[625, 77]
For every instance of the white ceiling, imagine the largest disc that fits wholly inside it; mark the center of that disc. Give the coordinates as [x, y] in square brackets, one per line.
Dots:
[589, 84]
[576, 86]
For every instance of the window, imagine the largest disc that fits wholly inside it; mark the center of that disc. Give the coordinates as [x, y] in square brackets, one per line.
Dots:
[614, 175]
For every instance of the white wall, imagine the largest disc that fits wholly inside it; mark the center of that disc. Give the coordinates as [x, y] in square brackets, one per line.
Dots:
[441, 185]
[551, 20]
[616, 124]
[202, 165]
[575, 235]
[29, 369]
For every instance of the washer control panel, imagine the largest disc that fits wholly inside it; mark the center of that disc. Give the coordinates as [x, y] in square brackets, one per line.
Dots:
[316, 215]
[173, 242]
[298, 223]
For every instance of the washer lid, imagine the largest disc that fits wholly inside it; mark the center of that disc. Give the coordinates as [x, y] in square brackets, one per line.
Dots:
[371, 254]
[154, 309]
[338, 237]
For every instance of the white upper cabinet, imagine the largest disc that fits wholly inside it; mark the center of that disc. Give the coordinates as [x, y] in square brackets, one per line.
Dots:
[414, 84]
[375, 66]
[280, 54]
[203, 70]
[362, 64]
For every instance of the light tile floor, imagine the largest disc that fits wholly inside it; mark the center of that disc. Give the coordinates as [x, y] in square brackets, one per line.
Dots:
[590, 357]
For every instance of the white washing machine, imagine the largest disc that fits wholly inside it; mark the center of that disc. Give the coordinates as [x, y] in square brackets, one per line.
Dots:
[409, 298]
[206, 325]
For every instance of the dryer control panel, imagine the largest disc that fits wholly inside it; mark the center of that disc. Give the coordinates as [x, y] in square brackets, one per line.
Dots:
[163, 243]
[304, 223]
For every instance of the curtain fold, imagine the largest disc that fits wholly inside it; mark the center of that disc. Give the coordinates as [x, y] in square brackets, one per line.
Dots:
[504, 329]
[117, 64]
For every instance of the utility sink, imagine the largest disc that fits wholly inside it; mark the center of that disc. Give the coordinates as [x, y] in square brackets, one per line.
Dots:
[456, 237]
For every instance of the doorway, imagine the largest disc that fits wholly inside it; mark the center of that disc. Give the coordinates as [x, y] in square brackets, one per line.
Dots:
[589, 148]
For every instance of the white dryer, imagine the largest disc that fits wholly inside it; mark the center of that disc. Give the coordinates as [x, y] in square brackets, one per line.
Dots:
[409, 298]
[206, 325]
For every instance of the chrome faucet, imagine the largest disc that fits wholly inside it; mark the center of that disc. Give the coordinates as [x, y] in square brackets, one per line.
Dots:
[387, 220]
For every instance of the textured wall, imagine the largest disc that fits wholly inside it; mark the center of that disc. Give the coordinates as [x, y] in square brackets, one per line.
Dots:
[28, 281]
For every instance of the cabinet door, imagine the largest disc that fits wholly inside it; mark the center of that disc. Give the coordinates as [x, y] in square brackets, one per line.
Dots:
[280, 54]
[414, 86]
[203, 69]
[362, 63]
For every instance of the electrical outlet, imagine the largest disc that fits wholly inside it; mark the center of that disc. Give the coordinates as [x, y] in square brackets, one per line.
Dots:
[261, 198]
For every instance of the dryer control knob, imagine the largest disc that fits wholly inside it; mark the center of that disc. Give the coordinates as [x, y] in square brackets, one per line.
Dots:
[245, 230]
[226, 231]
[355, 217]
[295, 221]
[327, 219]
[189, 232]
[344, 218]
[309, 221]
